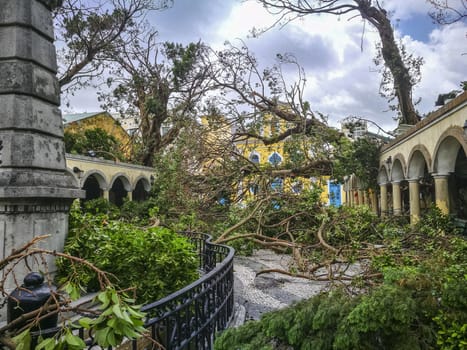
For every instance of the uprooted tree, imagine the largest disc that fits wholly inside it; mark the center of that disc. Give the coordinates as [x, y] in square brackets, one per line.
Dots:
[393, 288]
[213, 165]
[377, 16]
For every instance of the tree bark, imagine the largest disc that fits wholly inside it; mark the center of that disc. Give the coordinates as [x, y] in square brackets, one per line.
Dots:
[393, 60]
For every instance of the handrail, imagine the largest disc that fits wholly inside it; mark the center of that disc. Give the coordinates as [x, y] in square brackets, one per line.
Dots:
[190, 317]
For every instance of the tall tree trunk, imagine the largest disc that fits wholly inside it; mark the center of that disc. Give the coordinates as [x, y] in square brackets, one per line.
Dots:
[393, 60]
[378, 17]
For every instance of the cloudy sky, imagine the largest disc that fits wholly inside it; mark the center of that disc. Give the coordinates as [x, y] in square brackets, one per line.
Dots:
[342, 79]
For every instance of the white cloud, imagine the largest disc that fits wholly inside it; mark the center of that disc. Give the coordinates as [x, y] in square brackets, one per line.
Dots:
[341, 79]
[445, 63]
[407, 9]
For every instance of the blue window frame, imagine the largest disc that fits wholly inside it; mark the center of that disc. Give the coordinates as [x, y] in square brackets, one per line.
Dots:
[275, 159]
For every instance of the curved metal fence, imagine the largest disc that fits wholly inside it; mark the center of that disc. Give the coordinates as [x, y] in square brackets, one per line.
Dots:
[190, 317]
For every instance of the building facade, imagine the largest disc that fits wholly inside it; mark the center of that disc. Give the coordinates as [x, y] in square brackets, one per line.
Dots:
[427, 165]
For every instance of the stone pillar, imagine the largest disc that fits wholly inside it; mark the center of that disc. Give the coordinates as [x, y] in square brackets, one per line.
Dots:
[396, 198]
[442, 192]
[374, 201]
[129, 195]
[414, 195]
[383, 189]
[106, 194]
[365, 198]
[35, 188]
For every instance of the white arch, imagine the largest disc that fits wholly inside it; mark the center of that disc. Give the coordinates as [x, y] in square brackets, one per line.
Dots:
[254, 154]
[145, 181]
[98, 175]
[417, 165]
[125, 181]
[383, 176]
[397, 171]
[446, 155]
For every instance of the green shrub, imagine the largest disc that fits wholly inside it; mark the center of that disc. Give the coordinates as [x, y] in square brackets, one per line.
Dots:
[138, 212]
[156, 261]
[100, 206]
[390, 317]
[435, 223]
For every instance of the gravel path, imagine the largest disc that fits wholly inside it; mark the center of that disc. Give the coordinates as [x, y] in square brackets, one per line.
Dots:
[256, 295]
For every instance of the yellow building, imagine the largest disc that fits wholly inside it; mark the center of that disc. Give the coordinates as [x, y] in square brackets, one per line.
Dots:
[274, 156]
[78, 123]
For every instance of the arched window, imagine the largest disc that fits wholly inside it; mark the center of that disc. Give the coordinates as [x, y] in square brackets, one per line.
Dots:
[254, 157]
[275, 159]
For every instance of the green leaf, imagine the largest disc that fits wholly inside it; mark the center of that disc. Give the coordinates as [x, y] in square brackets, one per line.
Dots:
[46, 344]
[86, 322]
[101, 336]
[74, 341]
[23, 340]
[115, 298]
[104, 299]
[112, 339]
[118, 312]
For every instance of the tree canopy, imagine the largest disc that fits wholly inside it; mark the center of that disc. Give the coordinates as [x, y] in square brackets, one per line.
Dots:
[87, 31]
[159, 83]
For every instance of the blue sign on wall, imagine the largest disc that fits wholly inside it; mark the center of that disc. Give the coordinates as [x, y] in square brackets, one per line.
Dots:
[334, 194]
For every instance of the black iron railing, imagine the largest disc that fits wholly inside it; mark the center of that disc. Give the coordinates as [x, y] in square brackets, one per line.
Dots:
[190, 317]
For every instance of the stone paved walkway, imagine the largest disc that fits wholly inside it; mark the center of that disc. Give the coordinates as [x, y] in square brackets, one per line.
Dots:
[267, 292]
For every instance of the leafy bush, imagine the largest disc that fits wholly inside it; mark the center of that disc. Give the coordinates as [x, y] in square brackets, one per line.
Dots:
[101, 206]
[390, 317]
[97, 140]
[156, 261]
[139, 212]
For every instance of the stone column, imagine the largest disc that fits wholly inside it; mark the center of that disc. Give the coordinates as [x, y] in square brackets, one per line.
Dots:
[374, 201]
[396, 198]
[129, 195]
[35, 188]
[365, 198]
[442, 192]
[105, 194]
[383, 189]
[414, 197]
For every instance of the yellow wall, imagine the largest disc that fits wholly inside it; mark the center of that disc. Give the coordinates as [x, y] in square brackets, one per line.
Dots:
[105, 122]
[264, 152]
[270, 126]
